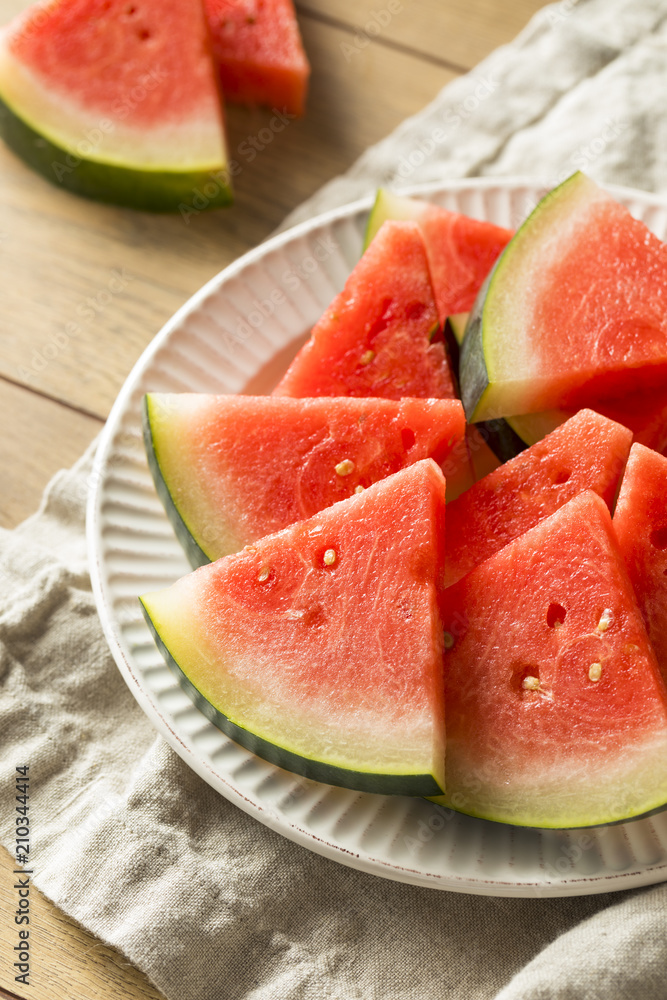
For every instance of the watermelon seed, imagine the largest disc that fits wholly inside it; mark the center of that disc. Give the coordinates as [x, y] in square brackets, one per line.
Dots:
[604, 623]
[329, 557]
[595, 671]
[263, 574]
[345, 467]
[530, 683]
[367, 357]
[449, 640]
[359, 489]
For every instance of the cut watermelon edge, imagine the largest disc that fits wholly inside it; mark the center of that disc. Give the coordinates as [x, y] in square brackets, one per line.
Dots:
[194, 552]
[383, 783]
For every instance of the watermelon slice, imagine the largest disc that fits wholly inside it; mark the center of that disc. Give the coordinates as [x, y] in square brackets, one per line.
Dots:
[320, 648]
[461, 251]
[259, 53]
[376, 337]
[574, 312]
[588, 452]
[117, 101]
[640, 523]
[556, 716]
[230, 469]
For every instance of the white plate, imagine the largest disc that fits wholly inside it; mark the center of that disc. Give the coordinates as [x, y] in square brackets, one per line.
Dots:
[237, 334]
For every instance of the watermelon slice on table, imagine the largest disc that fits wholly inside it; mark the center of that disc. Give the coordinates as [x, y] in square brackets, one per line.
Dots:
[230, 469]
[556, 713]
[575, 311]
[116, 100]
[377, 336]
[461, 250]
[320, 648]
[588, 452]
[259, 53]
[640, 523]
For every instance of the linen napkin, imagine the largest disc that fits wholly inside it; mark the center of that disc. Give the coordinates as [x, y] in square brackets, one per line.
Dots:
[133, 844]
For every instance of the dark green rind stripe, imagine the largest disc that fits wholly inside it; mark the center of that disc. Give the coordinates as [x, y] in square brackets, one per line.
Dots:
[196, 555]
[147, 190]
[473, 374]
[501, 438]
[360, 781]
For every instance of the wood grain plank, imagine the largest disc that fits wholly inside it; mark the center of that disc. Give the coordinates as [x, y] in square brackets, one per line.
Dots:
[43, 436]
[67, 960]
[86, 286]
[455, 33]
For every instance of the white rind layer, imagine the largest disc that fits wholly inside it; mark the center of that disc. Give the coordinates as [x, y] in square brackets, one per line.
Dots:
[526, 264]
[578, 793]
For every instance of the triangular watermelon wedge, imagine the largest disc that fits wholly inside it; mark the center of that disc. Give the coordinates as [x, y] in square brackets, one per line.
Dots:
[556, 712]
[320, 648]
[230, 469]
[574, 312]
[588, 452]
[117, 101]
[640, 523]
[461, 251]
[259, 53]
[377, 337]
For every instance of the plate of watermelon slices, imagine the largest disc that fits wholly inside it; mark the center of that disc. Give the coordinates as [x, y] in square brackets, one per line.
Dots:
[238, 337]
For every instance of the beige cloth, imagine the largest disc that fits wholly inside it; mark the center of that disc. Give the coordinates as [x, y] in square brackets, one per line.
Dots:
[133, 844]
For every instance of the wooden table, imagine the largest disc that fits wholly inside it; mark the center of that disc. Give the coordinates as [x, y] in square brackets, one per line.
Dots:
[59, 254]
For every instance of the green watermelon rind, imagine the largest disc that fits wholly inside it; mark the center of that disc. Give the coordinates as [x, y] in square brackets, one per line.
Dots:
[482, 398]
[539, 824]
[415, 785]
[194, 552]
[152, 190]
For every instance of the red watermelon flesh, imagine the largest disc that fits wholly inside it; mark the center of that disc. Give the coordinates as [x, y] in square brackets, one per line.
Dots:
[320, 647]
[231, 469]
[574, 313]
[556, 713]
[645, 413]
[461, 252]
[640, 523]
[260, 56]
[587, 452]
[145, 64]
[375, 339]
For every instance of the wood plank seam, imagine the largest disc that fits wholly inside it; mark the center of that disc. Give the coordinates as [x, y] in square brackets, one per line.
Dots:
[378, 39]
[53, 399]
